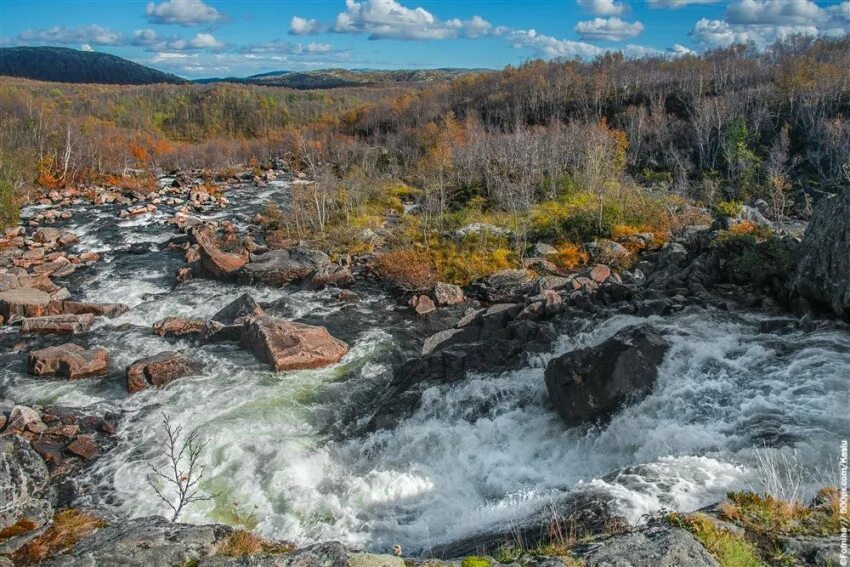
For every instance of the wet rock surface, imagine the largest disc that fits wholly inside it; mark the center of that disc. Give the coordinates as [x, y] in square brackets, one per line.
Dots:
[591, 383]
[286, 345]
[69, 361]
[159, 370]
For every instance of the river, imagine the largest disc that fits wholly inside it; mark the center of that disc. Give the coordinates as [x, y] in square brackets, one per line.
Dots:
[481, 453]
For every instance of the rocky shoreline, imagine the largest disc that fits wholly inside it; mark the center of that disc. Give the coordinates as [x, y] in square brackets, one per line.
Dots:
[498, 323]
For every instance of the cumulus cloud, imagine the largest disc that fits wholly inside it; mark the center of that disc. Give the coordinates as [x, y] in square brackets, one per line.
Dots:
[603, 7]
[182, 12]
[717, 33]
[150, 40]
[319, 48]
[778, 12]
[608, 29]
[86, 47]
[61, 35]
[388, 19]
[550, 47]
[303, 26]
[675, 4]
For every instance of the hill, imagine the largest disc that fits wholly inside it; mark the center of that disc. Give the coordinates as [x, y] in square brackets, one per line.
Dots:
[334, 78]
[64, 65]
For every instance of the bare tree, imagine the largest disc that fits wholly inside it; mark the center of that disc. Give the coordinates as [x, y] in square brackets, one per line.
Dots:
[183, 482]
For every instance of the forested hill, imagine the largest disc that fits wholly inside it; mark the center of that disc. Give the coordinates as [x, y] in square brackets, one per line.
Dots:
[64, 65]
[334, 78]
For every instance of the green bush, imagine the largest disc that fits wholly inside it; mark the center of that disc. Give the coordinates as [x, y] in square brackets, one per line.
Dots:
[727, 209]
[9, 212]
[475, 561]
[752, 260]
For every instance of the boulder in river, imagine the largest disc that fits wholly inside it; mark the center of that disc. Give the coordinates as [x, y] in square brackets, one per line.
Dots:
[179, 326]
[282, 267]
[23, 302]
[69, 361]
[823, 271]
[58, 324]
[287, 345]
[589, 383]
[216, 263]
[110, 310]
[504, 286]
[226, 325]
[158, 370]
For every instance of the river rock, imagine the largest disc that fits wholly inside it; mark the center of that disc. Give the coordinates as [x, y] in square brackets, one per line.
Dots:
[23, 419]
[326, 554]
[823, 271]
[422, 304]
[179, 326]
[589, 383]
[504, 286]
[158, 370]
[237, 311]
[151, 541]
[653, 546]
[46, 235]
[23, 302]
[600, 273]
[69, 361]
[287, 345]
[608, 252]
[58, 324]
[282, 267]
[448, 294]
[110, 310]
[217, 263]
[24, 485]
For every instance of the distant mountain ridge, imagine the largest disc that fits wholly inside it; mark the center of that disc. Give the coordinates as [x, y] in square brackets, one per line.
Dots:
[64, 65]
[332, 78]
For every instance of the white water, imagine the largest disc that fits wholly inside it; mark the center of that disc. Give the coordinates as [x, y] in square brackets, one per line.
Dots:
[483, 452]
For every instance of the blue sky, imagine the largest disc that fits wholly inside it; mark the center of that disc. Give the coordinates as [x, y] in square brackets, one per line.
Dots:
[204, 38]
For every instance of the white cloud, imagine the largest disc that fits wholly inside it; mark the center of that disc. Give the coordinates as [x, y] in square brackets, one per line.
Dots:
[319, 48]
[603, 7]
[717, 33]
[550, 47]
[840, 12]
[387, 19]
[777, 12]
[92, 35]
[676, 4]
[608, 29]
[86, 47]
[206, 41]
[182, 12]
[149, 40]
[303, 26]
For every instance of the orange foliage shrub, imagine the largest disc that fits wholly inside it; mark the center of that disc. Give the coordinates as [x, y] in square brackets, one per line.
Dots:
[409, 269]
[569, 256]
[143, 184]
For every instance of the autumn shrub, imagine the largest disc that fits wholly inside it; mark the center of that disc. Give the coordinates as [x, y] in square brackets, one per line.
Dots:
[407, 268]
[569, 256]
[68, 527]
[144, 183]
[241, 543]
[462, 261]
[768, 516]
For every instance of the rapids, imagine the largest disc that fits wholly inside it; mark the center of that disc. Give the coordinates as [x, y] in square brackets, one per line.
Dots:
[485, 452]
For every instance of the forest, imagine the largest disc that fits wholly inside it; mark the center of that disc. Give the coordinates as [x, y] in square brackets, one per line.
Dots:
[564, 150]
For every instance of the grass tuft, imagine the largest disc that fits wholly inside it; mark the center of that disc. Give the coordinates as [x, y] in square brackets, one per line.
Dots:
[69, 527]
[242, 543]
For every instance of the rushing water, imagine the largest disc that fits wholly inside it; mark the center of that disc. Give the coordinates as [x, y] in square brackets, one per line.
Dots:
[483, 452]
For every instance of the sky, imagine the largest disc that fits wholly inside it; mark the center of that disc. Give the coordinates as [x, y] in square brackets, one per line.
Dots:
[227, 38]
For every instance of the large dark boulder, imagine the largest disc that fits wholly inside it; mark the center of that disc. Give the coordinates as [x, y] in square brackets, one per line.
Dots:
[590, 383]
[159, 370]
[823, 271]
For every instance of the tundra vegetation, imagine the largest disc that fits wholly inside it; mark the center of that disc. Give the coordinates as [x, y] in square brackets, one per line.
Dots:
[562, 151]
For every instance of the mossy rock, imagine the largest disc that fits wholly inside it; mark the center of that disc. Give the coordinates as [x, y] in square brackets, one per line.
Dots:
[374, 560]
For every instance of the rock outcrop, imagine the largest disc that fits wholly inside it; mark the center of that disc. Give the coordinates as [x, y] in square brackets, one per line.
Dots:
[282, 267]
[287, 345]
[69, 361]
[653, 546]
[23, 302]
[216, 262]
[58, 324]
[823, 270]
[24, 485]
[590, 383]
[159, 370]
